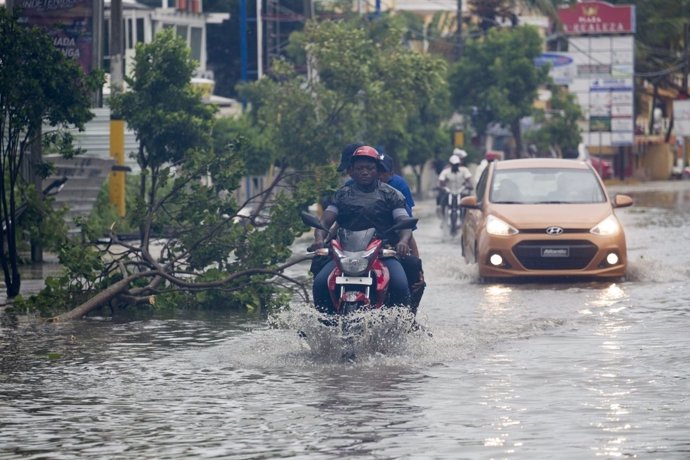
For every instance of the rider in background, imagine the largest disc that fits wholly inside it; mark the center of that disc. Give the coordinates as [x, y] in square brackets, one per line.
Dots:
[365, 203]
[489, 157]
[454, 177]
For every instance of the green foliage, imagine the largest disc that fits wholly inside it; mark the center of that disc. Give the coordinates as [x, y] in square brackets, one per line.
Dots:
[39, 87]
[496, 80]
[247, 138]
[370, 87]
[558, 127]
[192, 229]
[104, 216]
[659, 39]
[162, 107]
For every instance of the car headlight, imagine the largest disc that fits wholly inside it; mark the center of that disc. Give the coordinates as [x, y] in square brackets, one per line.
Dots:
[607, 227]
[355, 263]
[496, 226]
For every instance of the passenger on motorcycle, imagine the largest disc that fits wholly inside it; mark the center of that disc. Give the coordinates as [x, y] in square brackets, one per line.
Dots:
[454, 178]
[367, 203]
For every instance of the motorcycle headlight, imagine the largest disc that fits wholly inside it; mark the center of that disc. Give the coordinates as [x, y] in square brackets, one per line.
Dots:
[606, 227]
[355, 263]
[496, 226]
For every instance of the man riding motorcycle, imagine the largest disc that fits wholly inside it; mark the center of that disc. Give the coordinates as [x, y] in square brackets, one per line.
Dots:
[366, 203]
[454, 178]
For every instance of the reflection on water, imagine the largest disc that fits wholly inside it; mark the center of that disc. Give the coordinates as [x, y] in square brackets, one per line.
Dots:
[527, 370]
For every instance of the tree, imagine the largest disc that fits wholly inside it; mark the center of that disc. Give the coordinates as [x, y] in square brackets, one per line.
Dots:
[38, 86]
[165, 112]
[496, 80]
[557, 129]
[197, 246]
[363, 84]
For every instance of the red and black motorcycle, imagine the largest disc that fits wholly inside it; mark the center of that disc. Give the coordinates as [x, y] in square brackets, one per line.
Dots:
[359, 280]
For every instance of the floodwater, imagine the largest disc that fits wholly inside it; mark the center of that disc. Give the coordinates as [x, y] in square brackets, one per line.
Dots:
[514, 371]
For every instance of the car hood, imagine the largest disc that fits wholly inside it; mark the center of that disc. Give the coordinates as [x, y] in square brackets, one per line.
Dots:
[526, 216]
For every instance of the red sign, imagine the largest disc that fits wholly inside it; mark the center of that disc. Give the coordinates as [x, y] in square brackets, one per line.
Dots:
[597, 18]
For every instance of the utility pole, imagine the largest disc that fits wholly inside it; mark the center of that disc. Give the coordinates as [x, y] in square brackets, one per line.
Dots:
[686, 38]
[460, 44]
[259, 41]
[116, 182]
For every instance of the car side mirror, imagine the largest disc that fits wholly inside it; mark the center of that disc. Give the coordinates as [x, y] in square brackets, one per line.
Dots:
[622, 201]
[469, 202]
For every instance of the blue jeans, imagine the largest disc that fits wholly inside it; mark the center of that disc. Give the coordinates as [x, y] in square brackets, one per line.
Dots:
[398, 288]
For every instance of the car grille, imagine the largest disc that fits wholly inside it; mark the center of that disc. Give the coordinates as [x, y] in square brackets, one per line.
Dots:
[579, 254]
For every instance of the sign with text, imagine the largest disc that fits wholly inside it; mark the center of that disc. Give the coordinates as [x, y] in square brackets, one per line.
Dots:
[561, 66]
[68, 22]
[604, 87]
[597, 18]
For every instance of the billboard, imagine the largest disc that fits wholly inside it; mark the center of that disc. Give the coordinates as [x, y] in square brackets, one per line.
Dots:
[597, 18]
[68, 22]
[603, 84]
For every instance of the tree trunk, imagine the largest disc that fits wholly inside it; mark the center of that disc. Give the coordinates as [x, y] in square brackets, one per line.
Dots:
[418, 171]
[517, 135]
[100, 299]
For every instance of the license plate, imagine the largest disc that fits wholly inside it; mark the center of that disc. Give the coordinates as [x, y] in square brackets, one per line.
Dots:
[555, 252]
[353, 280]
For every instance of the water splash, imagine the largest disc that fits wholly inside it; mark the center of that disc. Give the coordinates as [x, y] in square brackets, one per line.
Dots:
[358, 336]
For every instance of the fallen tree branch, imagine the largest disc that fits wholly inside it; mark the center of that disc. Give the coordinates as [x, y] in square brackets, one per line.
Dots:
[121, 290]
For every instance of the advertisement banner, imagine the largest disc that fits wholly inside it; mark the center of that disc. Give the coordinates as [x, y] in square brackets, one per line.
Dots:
[68, 22]
[599, 18]
[562, 69]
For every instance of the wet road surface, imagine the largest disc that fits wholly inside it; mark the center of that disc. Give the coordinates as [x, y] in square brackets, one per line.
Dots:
[516, 371]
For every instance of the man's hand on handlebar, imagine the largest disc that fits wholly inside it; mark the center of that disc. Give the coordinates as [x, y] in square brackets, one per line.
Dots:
[403, 249]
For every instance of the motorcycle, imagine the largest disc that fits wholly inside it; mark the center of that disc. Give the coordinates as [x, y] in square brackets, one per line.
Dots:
[359, 280]
[452, 213]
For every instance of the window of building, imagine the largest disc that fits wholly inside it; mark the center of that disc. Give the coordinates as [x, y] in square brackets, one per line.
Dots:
[182, 33]
[129, 44]
[195, 44]
[140, 30]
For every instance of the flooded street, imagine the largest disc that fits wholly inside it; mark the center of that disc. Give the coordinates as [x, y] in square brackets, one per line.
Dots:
[515, 371]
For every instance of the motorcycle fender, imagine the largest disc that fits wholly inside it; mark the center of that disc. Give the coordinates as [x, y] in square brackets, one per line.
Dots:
[333, 288]
[382, 282]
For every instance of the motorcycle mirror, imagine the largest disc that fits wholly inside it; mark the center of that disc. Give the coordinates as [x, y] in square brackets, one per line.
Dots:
[311, 220]
[404, 224]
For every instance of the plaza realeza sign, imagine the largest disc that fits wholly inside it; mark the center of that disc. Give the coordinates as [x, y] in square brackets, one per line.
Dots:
[599, 18]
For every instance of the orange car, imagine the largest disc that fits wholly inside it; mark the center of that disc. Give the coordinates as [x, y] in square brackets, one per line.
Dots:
[543, 217]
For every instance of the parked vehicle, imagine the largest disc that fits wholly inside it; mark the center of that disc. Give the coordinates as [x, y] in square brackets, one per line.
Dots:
[359, 279]
[603, 167]
[544, 217]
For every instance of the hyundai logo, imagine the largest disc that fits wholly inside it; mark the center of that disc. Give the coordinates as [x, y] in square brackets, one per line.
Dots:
[554, 231]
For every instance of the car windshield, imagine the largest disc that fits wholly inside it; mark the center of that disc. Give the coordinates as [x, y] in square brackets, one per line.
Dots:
[545, 185]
